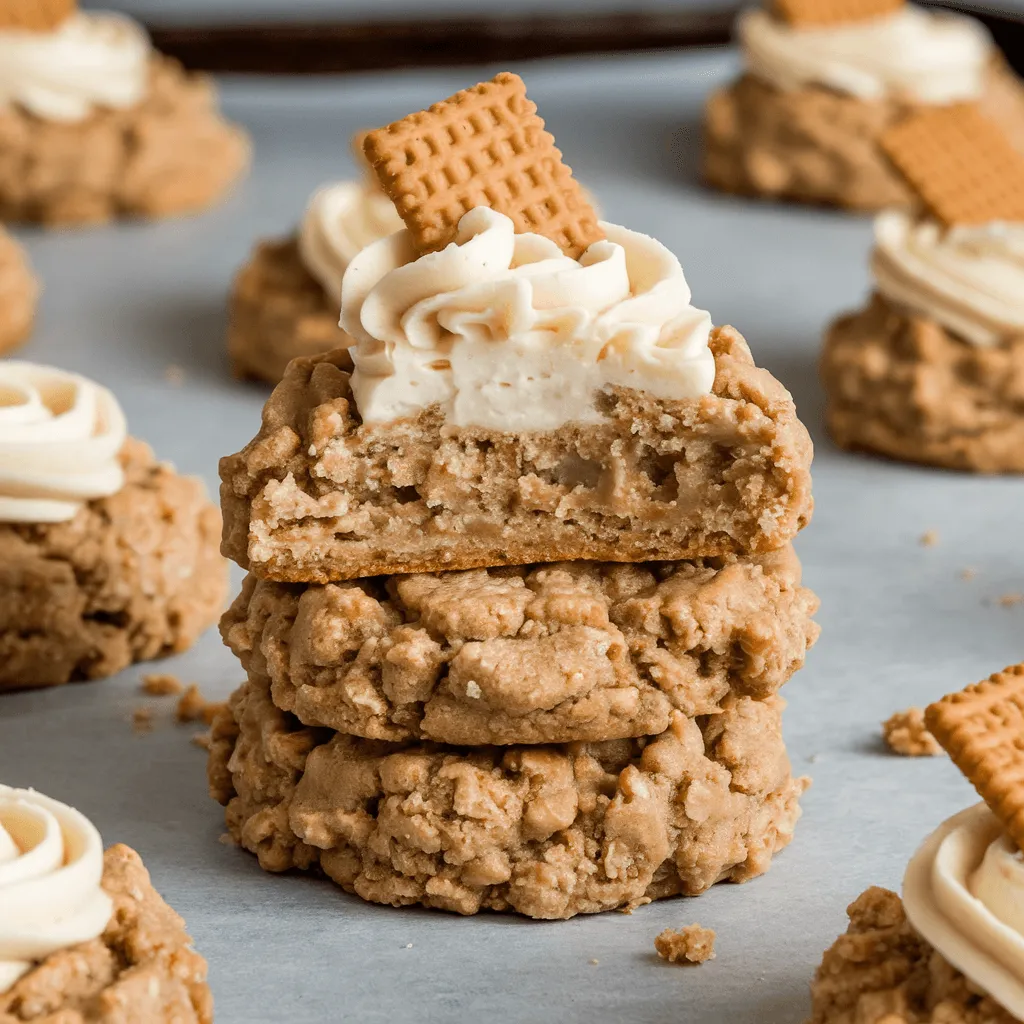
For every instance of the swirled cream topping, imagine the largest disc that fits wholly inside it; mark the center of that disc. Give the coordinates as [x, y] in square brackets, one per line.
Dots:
[90, 60]
[969, 279]
[913, 54]
[504, 331]
[51, 864]
[964, 893]
[340, 220]
[60, 435]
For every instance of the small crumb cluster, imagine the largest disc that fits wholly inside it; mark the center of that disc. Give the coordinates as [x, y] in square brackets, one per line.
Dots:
[905, 733]
[690, 945]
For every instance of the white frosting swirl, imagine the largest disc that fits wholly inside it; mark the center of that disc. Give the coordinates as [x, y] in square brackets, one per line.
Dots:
[90, 60]
[970, 279]
[912, 54]
[964, 893]
[51, 864]
[60, 435]
[508, 333]
[340, 220]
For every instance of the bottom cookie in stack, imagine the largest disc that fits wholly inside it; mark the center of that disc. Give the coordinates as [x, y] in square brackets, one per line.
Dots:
[551, 740]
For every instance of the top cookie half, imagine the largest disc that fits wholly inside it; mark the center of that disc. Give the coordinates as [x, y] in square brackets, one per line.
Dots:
[526, 384]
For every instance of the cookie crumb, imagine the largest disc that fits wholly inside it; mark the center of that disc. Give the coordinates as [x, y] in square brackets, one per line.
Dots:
[161, 685]
[142, 720]
[174, 375]
[968, 573]
[1010, 600]
[929, 538]
[194, 707]
[203, 740]
[692, 944]
[906, 734]
[408, 945]
[594, 961]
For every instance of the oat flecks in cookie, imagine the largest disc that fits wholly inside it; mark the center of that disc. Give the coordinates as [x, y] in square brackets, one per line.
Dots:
[961, 163]
[982, 730]
[816, 13]
[690, 945]
[484, 146]
[906, 734]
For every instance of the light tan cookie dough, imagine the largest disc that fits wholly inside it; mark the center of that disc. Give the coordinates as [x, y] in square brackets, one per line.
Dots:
[141, 969]
[172, 153]
[903, 386]
[19, 291]
[817, 145]
[131, 577]
[548, 831]
[278, 311]
[319, 496]
[882, 972]
[534, 654]
[906, 734]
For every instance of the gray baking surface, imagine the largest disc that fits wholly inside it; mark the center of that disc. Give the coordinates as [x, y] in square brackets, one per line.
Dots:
[900, 625]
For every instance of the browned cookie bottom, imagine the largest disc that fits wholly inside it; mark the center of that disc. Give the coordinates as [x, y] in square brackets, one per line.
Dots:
[171, 153]
[279, 311]
[547, 831]
[19, 291]
[882, 972]
[903, 386]
[141, 970]
[131, 577]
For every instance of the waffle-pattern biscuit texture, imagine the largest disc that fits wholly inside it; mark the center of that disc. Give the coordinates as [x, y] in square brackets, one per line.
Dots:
[547, 831]
[882, 972]
[35, 15]
[545, 654]
[484, 146]
[19, 290]
[172, 153]
[319, 496]
[141, 970]
[961, 163]
[819, 13]
[277, 312]
[902, 386]
[982, 730]
[131, 577]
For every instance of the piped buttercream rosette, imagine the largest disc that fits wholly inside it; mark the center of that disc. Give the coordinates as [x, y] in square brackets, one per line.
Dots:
[60, 435]
[51, 865]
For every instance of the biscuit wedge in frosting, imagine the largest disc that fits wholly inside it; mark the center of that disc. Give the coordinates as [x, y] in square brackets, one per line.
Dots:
[509, 398]
[19, 291]
[84, 936]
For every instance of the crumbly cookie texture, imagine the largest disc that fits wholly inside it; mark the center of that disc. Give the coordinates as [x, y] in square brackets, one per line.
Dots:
[905, 733]
[902, 386]
[533, 654]
[882, 972]
[547, 831]
[19, 290]
[278, 311]
[172, 153]
[319, 496]
[816, 145]
[131, 577]
[142, 968]
[690, 945]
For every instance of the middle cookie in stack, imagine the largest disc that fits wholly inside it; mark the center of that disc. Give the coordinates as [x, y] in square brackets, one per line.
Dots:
[582, 713]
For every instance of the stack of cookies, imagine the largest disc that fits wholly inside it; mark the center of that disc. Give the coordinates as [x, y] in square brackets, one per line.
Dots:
[521, 594]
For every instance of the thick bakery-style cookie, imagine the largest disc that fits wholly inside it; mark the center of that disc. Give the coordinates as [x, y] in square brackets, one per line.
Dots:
[141, 969]
[882, 972]
[546, 831]
[531, 654]
[19, 291]
[130, 577]
[902, 385]
[319, 496]
[170, 153]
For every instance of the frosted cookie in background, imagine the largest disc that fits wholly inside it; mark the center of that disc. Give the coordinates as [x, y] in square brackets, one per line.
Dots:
[19, 291]
[823, 80]
[931, 369]
[95, 124]
[953, 948]
[107, 556]
[84, 936]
